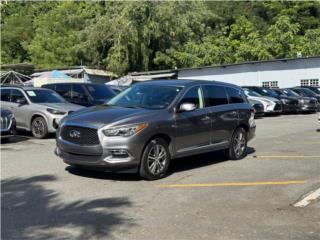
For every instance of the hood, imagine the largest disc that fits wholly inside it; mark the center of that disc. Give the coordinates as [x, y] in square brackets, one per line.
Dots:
[102, 115]
[62, 106]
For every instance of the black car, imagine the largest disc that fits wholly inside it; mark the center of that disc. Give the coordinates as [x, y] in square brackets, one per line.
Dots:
[306, 104]
[305, 92]
[289, 104]
[7, 124]
[85, 94]
[258, 107]
[313, 88]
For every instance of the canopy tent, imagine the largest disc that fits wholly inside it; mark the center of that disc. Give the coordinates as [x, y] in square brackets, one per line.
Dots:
[54, 76]
[14, 78]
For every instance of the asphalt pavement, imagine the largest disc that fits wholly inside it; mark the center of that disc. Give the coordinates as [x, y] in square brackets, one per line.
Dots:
[204, 196]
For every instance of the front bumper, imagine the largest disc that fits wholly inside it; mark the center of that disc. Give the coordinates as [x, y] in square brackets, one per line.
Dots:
[10, 131]
[289, 108]
[110, 154]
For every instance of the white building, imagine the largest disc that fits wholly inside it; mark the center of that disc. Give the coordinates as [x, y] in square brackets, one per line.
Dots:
[272, 73]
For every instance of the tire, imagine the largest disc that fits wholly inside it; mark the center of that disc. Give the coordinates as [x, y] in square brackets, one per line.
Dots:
[237, 151]
[39, 128]
[155, 169]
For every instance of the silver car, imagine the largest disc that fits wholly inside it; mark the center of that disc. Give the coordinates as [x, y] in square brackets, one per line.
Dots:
[36, 109]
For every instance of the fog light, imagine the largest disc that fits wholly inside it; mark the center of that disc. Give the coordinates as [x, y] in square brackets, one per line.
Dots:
[119, 153]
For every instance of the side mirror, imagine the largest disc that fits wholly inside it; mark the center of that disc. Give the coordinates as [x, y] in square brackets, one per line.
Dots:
[187, 107]
[21, 101]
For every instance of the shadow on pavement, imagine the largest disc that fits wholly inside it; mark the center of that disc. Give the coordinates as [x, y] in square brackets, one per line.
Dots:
[176, 165]
[30, 211]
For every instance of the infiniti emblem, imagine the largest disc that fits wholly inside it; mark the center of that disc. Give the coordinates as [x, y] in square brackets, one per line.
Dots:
[74, 134]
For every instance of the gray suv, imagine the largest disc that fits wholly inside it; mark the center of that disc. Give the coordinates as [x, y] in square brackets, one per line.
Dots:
[148, 124]
[36, 109]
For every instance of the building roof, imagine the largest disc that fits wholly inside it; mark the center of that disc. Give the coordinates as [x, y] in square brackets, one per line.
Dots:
[251, 62]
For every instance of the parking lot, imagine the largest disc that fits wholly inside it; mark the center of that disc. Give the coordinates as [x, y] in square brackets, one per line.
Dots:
[204, 196]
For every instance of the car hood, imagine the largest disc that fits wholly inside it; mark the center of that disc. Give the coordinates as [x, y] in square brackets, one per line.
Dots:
[102, 115]
[62, 106]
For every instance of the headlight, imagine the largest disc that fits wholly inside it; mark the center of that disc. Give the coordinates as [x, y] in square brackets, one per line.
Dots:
[55, 111]
[124, 131]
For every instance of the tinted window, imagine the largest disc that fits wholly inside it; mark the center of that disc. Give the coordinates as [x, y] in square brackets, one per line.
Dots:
[78, 92]
[16, 95]
[235, 95]
[194, 95]
[5, 95]
[100, 91]
[64, 90]
[49, 86]
[146, 96]
[251, 93]
[215, 95]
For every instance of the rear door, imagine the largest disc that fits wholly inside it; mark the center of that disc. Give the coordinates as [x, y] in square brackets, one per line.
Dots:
[224, 115]
[193, 128]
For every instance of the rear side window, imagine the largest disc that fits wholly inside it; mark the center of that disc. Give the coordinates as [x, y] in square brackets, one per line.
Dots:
[214, 95]
[235, 95]
[194, 95]
[5, 95]
[64, 90]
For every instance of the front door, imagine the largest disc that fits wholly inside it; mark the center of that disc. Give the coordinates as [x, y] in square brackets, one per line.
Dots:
[193, 128]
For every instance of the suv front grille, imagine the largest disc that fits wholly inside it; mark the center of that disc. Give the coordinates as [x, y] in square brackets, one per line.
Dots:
[278, 107]
[80, 135]
[5, 122]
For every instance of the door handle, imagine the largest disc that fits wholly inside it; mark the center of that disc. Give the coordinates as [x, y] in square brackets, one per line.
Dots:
[206, 118]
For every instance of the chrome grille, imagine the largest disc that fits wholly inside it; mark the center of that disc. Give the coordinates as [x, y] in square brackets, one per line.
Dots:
[5, 123]
[85, 136]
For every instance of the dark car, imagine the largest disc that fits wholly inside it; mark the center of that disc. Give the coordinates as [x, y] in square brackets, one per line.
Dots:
[313, 88]
[85, 94]
[306, 104]
[289, 104]
[258, 107]
[7, 124]
[305, 92]
[148, 124]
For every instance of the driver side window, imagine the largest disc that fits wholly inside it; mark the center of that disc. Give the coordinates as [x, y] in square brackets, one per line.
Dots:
[195, 96]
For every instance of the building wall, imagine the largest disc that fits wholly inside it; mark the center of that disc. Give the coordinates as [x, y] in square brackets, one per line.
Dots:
[286, 73]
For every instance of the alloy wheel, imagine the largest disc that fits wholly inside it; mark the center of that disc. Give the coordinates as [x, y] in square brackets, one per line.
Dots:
[157, 158]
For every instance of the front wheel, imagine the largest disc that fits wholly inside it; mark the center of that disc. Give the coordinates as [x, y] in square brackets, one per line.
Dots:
[39, 127]
[155, 160]
[238, 145]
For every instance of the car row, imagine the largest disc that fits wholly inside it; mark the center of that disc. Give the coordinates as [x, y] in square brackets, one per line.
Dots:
[289, 100]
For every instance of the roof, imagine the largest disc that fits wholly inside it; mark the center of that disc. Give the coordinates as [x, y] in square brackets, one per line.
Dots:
[186, 82]
[251, 62]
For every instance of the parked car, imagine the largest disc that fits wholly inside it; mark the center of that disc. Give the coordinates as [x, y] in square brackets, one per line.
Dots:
[270, 104]
[7, 124]
[306, 104]
[289, 104]
[36, 109]
[258, 107]
[85, 94]
[313, 88]
[305, 92]
[150, 123]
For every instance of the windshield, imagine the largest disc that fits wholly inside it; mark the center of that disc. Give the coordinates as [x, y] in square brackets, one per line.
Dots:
[251, 93]
[100, 91]
[290, 93]
[308, 92]
[44, 96]
[269, 92]
[316, 90]
[146, 96]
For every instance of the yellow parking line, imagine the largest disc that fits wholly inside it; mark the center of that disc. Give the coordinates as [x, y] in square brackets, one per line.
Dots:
[229, 184]
[286, 156]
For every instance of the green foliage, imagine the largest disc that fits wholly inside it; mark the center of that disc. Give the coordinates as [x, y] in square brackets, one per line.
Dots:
[149, 35]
